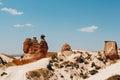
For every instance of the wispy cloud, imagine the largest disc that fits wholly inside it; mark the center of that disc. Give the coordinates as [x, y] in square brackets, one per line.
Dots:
[88, 29]
[23, 25]
[1, 3]
[12, 11]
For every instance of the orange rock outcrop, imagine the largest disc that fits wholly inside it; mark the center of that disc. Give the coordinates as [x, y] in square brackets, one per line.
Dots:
[110, 50]
[32, 46]
[33, 50]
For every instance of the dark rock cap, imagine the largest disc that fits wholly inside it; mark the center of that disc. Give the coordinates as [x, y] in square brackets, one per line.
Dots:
[42, 36]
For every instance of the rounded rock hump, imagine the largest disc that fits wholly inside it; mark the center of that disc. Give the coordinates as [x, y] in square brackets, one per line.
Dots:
[66, 50]
[66, 47]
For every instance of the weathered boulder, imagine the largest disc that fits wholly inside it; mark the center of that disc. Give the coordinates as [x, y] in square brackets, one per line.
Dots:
[66, 47]
[66, 50]
[110, 50]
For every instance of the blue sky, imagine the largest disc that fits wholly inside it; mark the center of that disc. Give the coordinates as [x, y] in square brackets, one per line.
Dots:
[84, 24]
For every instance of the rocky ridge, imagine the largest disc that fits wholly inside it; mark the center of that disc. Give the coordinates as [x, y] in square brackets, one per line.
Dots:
[39, 64]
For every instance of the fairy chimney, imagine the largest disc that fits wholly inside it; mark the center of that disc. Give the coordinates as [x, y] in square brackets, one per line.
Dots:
[110, 50]
[43, 45]
[26, 45]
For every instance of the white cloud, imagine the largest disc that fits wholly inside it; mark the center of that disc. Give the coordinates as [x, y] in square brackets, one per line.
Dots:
[22, 25]
[88, 29]
[28, 25]
[11, 11]
[1, 3]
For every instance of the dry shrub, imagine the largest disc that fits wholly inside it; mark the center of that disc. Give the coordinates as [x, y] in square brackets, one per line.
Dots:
[114, 77]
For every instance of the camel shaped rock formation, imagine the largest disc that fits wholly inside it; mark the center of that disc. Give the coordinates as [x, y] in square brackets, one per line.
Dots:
[33, 50]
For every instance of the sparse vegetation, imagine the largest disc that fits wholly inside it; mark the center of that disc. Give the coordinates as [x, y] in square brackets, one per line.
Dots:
[84, 76]
[49, 66]
[35, 74]
[92, 72]
[71, 77]
[114, 77]
[4, 73]
[62, 76]
[10, 64]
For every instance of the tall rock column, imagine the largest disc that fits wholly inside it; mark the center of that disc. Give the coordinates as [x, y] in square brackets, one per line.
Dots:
[43, 45]
[26, 45]
[110, 50]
